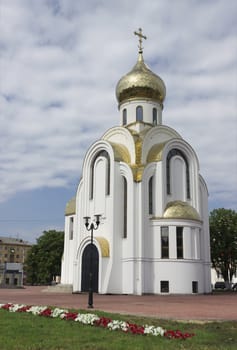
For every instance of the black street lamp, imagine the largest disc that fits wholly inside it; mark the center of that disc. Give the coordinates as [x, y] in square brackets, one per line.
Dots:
[91, 226]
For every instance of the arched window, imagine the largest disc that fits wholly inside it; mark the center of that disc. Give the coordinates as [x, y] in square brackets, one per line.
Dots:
[172, 153]
[154, 114]
[150, 195]
[124, 116]
[105, 155]
[139, 114]
[125, 206]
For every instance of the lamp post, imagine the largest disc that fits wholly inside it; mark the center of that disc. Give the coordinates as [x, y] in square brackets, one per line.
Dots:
[91, 226]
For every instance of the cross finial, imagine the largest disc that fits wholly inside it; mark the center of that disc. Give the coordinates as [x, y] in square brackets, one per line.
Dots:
[141, 36]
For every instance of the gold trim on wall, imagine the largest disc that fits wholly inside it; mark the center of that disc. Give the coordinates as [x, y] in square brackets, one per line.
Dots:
[104, 246]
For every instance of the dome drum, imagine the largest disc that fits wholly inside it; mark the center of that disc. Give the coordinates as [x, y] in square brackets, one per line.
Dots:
[151, 112]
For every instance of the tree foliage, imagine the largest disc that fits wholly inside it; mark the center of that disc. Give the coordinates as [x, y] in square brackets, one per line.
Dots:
[223, 232]
[44, 259]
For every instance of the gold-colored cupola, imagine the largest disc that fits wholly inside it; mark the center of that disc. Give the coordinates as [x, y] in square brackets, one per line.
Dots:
[140, 82]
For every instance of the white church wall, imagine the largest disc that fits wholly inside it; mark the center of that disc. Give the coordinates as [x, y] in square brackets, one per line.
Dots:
[128, 276]
[129, 243]
[148, 274]
[67, 262]
[205, 234]
[180, 274]
[160, 190]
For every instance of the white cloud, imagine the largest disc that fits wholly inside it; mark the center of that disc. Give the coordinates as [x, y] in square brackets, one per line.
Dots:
[60, 64]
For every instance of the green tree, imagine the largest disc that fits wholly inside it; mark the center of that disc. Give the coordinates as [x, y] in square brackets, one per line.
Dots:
[44, 259]
[31, 266]
[223, 232]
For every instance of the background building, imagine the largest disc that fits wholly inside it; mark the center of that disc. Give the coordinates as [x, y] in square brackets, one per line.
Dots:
[13, 252]
[143, 178]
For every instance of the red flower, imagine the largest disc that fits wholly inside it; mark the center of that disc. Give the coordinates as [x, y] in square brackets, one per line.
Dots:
[70, 316]
[7, 306]
[135, 329]
[103, 322]
[47, 312]
[24, 308]
[177, 335]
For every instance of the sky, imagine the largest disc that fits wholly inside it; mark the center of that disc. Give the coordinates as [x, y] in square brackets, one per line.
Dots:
[60, 61]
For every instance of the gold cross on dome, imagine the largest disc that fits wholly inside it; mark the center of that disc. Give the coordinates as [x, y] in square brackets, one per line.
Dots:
[141, 36]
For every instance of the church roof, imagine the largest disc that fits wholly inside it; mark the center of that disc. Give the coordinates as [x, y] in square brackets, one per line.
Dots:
[181, 210]
[70, 207]
[140, 82]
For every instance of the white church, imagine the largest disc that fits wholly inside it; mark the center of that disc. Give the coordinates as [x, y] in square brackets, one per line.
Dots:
[143, 179]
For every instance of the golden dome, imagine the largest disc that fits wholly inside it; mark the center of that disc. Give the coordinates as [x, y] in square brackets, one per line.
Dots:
[181, 210]
[140, 82]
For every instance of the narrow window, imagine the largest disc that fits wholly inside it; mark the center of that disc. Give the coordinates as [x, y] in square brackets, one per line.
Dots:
[124, 116]
[164, 242]
[179, 242]
[195, 286]
[105, 155]
[164, 286]
[71, 228]
[154, 116]
[125, 201]
[150, 194]
[139, 114]
[172, 153]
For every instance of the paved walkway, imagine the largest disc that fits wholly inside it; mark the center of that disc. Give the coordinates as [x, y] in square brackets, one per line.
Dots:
[222, 306]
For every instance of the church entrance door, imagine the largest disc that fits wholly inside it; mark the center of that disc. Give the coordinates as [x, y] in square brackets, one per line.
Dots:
[90, 256]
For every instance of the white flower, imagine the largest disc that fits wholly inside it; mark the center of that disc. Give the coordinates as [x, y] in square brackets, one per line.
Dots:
[87, 318]
[58, 312]
[115, 324]
[36, 310]
[154, 330]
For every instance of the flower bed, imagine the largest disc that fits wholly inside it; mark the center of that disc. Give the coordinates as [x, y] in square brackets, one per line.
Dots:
[94, 320]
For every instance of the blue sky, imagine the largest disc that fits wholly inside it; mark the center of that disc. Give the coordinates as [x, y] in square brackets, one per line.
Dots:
[60, 62]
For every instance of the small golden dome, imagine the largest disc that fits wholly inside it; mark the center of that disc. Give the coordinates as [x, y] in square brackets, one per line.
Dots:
[181, 210]
[70, 207]
[140, 82]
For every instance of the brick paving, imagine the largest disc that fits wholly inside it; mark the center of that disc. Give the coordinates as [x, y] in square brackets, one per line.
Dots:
[213, 307]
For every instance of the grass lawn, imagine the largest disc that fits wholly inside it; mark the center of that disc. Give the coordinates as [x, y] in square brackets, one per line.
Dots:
[23, 331]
